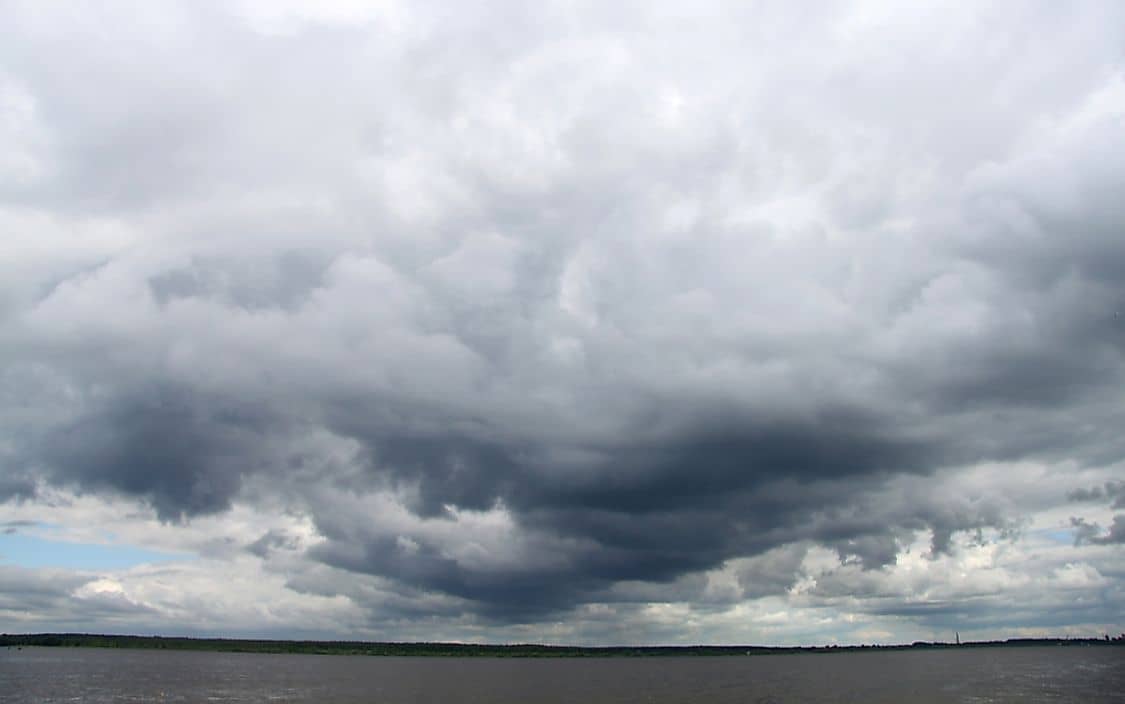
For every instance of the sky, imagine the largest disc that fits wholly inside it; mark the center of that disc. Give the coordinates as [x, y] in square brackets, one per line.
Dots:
[563, 322]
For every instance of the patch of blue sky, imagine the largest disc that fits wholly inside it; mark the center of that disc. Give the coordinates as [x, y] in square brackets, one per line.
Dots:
[1054, 535]
[23, 550]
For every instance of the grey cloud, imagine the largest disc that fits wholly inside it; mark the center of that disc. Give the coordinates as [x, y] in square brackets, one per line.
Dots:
[17, 485]
[771, 573]
[1061, 594]
[53, 599]
[872, 551]
[1082, 494]
[13, 527]
[1116, 533]
[271, 540]
[1086, 533]
[20, 581]
[987, 614]
[664, 323]
[1109, 490]
[282, 281]
[33, 591]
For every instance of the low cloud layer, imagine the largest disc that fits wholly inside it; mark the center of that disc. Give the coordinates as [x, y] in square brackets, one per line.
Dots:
[502, 318]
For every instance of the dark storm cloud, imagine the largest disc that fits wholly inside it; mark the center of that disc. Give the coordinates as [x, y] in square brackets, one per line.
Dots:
[710, 458]
[448, 470]
[183, 453]
[648, 325]
[655, 524]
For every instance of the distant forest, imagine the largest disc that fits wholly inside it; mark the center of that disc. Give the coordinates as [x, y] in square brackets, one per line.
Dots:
[85, 640]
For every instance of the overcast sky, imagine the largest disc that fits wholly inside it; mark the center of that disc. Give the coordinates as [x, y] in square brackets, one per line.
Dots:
[593, 323]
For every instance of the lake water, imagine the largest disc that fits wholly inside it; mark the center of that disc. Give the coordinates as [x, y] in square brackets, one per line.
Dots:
[1046, 674]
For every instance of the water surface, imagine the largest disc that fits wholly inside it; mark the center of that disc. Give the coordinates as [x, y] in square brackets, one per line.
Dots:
[1030, 674]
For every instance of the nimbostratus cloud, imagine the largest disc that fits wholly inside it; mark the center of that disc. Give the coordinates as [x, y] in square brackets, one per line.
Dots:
[531, 312]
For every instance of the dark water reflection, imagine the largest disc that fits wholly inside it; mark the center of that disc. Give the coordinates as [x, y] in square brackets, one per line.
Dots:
[1058, 674]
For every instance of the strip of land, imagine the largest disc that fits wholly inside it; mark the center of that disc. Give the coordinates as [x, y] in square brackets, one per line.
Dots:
[87, 640]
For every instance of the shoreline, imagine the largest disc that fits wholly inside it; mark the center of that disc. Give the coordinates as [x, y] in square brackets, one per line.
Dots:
[522, 650]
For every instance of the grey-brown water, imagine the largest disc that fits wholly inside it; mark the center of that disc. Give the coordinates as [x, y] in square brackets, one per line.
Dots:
[1058, 674]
